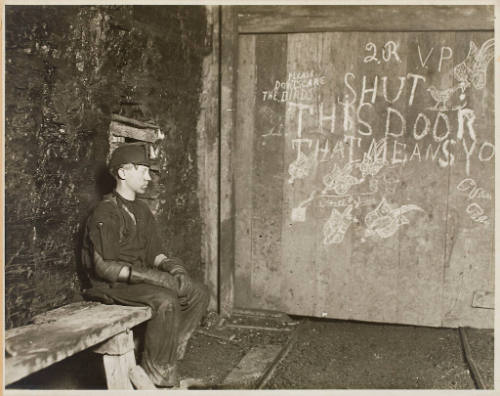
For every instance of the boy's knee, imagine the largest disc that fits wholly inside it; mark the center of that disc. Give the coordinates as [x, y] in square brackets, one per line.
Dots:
[168, 306]
[164, 300]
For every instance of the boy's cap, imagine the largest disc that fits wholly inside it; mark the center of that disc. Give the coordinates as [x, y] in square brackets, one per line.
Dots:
[129, 153]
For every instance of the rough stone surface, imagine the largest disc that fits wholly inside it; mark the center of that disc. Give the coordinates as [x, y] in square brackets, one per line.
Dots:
[67, 70]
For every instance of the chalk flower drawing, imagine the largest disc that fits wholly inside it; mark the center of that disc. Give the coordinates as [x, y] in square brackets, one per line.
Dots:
[337, 225]
[373, 160]
[340, 180]
[472, 70]
[385, 221]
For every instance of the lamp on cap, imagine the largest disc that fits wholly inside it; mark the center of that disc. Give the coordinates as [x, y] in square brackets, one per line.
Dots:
[130, 153]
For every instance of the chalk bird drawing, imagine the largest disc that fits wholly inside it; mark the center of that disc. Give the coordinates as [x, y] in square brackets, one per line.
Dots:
[441, 96]
[337, 225]
[472, 70]
[340, 179]
[385, 221]
[373, 160]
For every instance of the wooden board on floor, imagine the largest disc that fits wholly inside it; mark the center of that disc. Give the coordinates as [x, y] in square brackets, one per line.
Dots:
[252, 366]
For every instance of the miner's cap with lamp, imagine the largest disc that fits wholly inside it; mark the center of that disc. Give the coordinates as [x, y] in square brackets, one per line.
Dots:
[129, 153]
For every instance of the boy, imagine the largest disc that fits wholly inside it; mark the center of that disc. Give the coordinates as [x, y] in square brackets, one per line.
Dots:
[127, 265]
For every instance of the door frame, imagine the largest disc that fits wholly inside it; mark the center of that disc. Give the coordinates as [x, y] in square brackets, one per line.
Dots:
[236, 20]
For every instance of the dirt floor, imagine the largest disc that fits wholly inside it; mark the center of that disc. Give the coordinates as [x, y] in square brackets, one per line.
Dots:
[315, 354]
[330, 354]
[482, 348]
[214, 351]
[351, 355]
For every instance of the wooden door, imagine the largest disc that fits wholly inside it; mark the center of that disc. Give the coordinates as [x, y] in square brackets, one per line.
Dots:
[363, 163]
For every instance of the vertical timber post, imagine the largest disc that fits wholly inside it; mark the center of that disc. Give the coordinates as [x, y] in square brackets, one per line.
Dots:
[229, 53]
[208, 157]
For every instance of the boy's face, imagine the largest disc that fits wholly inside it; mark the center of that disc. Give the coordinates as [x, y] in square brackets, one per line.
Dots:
[137, 177]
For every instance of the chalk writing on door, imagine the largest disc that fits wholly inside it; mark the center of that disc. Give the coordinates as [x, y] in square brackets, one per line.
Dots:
[384, 221]
[304, 163]
[476, 213]
[297, 86]
[444, 126]
[340, 180]
[337, 225]
[351, 144]
[470, 186]
[299, 213]
[388, 52]
[472, 70]
[373, 159]
[475, 210]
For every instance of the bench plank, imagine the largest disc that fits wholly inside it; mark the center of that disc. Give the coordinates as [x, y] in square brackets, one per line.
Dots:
[65, 310]
[37, 346]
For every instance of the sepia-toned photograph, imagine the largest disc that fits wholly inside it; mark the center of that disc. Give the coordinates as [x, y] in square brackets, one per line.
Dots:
[248, 196]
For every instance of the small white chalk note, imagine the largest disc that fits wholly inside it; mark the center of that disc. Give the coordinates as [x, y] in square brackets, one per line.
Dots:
[299, 214]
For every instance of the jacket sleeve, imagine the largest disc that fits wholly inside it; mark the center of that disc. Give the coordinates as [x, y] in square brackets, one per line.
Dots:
[104, 235]
[108, 270]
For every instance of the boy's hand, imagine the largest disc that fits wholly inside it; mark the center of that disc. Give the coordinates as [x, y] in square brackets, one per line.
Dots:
[173, 265]
[185, 284]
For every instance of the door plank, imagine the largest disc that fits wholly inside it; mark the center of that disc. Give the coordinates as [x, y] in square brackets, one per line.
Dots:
[299, 232]
[245, 132]
[422, 248]
[375, 256]
[470, 256]
[333, 259]
[268, 141]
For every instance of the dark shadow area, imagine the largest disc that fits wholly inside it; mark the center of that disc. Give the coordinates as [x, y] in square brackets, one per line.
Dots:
[84, 370]
[105, 182]
[80, 267]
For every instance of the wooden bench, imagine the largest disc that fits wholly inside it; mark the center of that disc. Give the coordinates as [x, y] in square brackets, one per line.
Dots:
[65, 331]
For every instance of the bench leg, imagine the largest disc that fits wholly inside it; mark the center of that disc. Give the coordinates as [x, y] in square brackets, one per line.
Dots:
[117, 370]
[118, 359]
